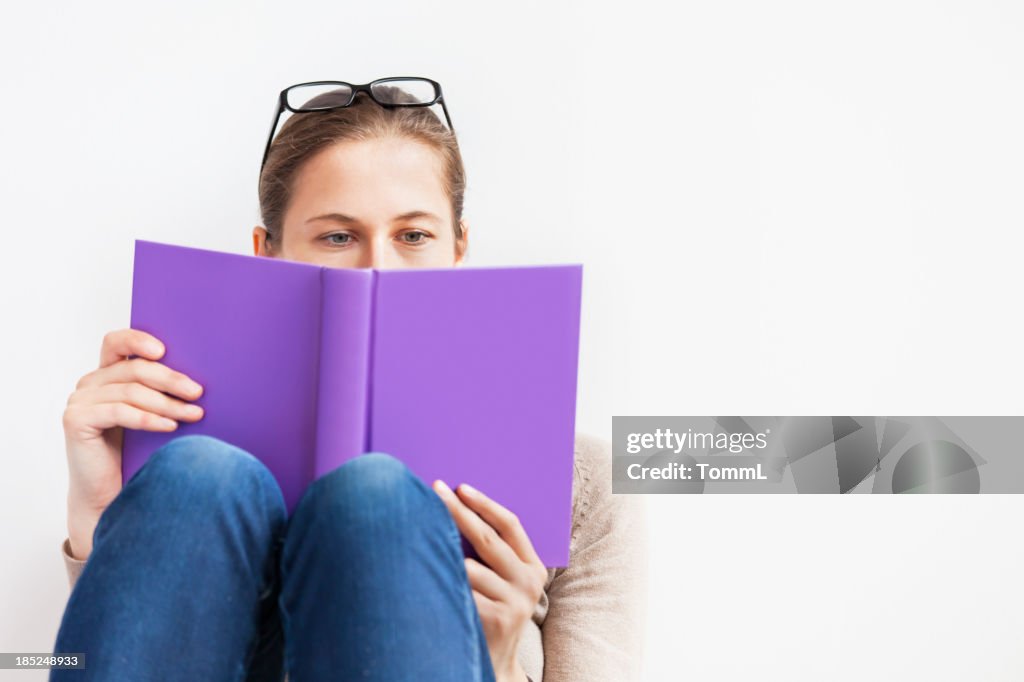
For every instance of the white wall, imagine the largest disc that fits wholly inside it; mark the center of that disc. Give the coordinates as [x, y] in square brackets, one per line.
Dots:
[783, 208]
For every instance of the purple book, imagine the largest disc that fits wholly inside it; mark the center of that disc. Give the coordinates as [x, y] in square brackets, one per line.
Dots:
[464, 374]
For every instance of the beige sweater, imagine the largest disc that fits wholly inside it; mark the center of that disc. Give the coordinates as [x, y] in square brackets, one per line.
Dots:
[588, 624]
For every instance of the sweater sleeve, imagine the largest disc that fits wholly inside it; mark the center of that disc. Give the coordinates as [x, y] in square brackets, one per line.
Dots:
[594, 629]
[72, 565]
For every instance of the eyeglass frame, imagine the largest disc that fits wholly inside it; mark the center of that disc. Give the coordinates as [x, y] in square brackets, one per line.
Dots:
[282, 103]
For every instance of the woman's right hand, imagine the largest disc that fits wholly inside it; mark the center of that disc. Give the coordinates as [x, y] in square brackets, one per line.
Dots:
[124, 392]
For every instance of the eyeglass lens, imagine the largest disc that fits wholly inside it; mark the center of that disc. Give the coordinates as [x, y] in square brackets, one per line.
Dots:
[328, 95]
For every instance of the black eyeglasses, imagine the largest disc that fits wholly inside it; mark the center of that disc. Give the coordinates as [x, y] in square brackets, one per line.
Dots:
[397, 91]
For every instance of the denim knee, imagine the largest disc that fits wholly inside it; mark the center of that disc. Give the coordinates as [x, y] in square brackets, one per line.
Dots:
[373, 485]
[375, 477]
[205, 474]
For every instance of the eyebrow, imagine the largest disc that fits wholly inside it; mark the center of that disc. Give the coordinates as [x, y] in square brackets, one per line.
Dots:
[342, 218]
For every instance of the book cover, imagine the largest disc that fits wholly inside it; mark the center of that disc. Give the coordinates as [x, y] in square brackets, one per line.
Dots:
[464, 374]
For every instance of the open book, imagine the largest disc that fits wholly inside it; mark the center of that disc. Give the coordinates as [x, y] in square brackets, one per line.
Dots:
[464, 374]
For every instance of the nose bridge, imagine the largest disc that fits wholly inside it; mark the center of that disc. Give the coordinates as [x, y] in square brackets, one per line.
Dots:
[375, 255]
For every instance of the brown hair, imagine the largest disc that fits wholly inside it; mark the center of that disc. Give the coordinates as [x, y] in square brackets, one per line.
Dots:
[305, 134]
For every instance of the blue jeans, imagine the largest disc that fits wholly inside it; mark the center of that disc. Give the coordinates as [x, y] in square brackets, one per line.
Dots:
[198, 573]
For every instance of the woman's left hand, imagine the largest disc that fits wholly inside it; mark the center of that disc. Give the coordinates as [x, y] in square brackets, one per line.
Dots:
[507, 589]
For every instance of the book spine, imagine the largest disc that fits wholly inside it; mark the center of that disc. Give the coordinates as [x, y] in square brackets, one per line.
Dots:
[370, 359]
[344, 371]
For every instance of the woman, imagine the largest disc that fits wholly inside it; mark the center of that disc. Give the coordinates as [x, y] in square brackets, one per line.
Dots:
[193, 570]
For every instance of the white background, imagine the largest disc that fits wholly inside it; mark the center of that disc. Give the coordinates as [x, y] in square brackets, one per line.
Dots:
[783, 208]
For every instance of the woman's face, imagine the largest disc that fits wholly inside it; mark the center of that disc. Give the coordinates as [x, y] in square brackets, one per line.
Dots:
[369, 204]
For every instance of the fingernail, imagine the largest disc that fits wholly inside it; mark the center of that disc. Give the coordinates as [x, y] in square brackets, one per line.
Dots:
[168, 423]
[442, 487]
[194, 410]
[155, 347]
[468, 489]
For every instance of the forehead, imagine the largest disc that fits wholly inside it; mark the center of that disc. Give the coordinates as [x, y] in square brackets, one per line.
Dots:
[389, 174]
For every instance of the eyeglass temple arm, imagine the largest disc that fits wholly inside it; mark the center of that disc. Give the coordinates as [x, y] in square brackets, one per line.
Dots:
[444, 108]
[273, 127]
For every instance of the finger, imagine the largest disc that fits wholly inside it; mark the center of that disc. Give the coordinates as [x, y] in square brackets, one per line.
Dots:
[484, 539]
[486, 607]
[140, 396]
[487, 582]
[122, 343]
[109, 415]
[153, 374]
[501, 519]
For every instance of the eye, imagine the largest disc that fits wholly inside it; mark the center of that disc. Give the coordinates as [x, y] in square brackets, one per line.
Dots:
[337, 238]
[415, 237]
